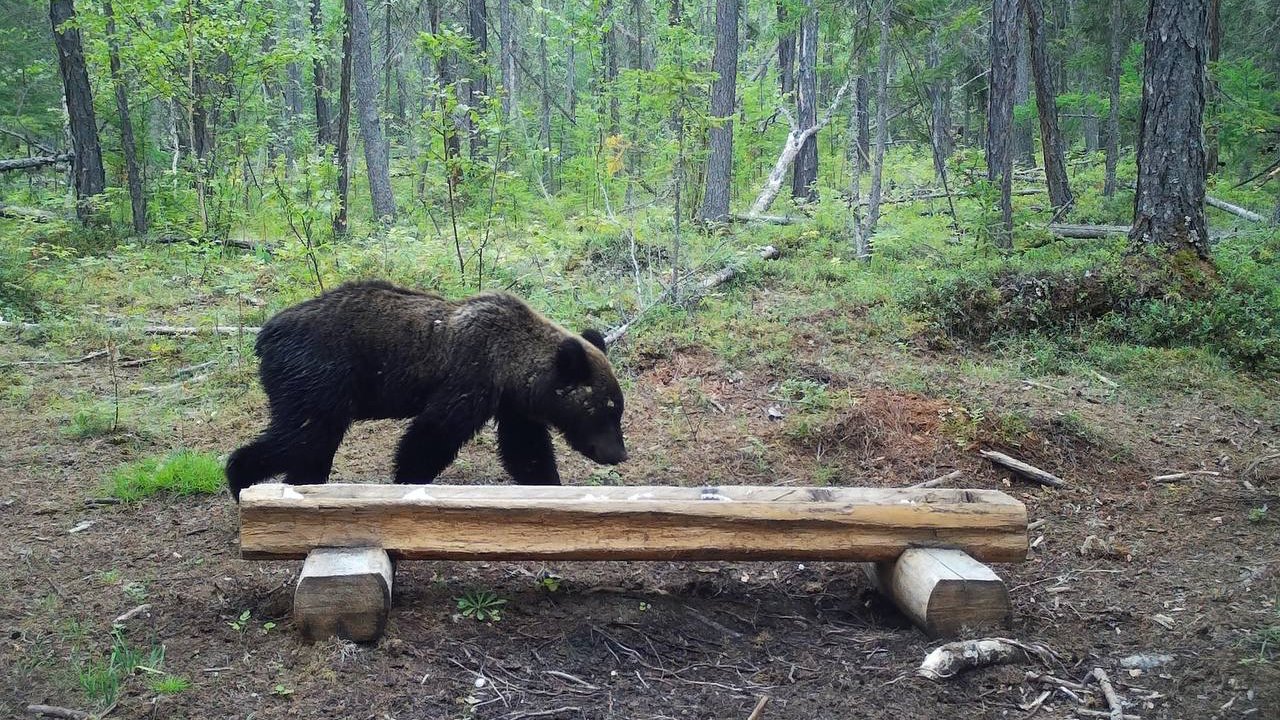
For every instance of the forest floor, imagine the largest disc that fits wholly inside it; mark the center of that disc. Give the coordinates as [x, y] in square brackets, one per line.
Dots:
[1188, 569]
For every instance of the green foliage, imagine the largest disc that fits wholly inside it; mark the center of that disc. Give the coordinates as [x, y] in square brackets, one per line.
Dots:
[93, 420]
[101, 679]
[182, 473]
[481, 605]
[169, 684]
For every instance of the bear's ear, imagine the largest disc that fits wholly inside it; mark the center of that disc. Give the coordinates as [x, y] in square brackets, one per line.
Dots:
[594, 337]
[572, 364]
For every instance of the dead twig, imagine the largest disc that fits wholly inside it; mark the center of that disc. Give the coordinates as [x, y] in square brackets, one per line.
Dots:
[127, 616]
[75, 361]
[59, 712]
[1030, 472]
[571, 678]
[544, 713]
[1174, 477]
[1113, 701]
[936, 481]
[758, 711]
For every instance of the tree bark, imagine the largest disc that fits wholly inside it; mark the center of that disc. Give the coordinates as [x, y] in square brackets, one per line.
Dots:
[609, 86]
[1024, 146]
[1168, 208]
[89, 177]
[507, 43]
[862, 117]
[324, 122]
[1114, 69]
[805, 176]
[1004, 40]
[786, 54]
[448, 123]
[724, 62]
[544, 96]
[939, 107]
[132, 169]
[1051, 142]
[478, 29]
[366, 96]
[343, 139]
[882, 131]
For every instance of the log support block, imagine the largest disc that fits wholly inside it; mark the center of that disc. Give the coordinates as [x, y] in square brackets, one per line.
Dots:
[345, 593]
[943, 591]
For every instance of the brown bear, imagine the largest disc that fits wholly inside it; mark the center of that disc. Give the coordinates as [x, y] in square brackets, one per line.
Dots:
[371, 350]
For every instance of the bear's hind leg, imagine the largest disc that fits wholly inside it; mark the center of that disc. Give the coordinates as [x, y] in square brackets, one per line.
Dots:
[310, 453]
[526, 450]
[255, 462]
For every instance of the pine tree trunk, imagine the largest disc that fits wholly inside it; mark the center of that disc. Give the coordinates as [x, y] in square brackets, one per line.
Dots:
[786, 54]
[1114, 68]
[89, 177]
[324, 121]
[478, 29]
[343, 139]
[366, 97]
[132, 169]
[1051, 142]
[724, 62]
[544, 98]
[609, 86]
[507, 42]
[1024, 146]
[882, 130]
[805, 174]
[450, 126]
[1004, 41]
[1168, 210]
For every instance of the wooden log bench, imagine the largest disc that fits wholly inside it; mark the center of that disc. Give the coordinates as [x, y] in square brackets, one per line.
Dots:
[924, 547]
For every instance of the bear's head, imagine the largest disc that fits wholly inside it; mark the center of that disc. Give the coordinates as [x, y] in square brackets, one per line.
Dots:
[585, 402]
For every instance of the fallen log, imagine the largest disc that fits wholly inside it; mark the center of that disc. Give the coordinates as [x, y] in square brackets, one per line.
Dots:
[767, 219]
[13, 212]
[1233, 209]
[494, 522]
[176, 330]
[721, 277]
[1089, 232]
[943, 591]
[32, 163]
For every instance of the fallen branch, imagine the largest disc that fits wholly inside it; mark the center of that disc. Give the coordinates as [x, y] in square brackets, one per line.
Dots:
[74, 361]
[937, 481]
[1113, 701]
[179, 330]
[59, 712]
[131, 614]
[768, 219]
[768, 252]
[544, 713]
[1233, 209]
[1029, 472]
[956, 657]
[1089, 232]
[758, 711]
[790, 149]
[32, 163]
[228, 242]
[1174, 477]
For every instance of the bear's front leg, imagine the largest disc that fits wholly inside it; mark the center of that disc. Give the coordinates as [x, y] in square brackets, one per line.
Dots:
[526, 450]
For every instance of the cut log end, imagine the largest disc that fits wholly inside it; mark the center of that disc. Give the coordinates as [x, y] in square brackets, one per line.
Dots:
[944, 591]
[344, 593]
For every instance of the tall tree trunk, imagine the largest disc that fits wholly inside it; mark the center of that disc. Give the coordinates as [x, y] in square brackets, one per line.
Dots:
[292, 86]
[862, 117]
[724, 62]
[478, 29]
[343, 139]
[132, 169]
[386, 56]
[1168, 209]
[882, 130]
[89, 177]
[1215, 51]
[786, 54]
[1004, 41]
[1051, 143]
[805, 177]
[1114, 68]
[860, 247]
[366, 96]
[544, 97]
[324, 122]
[448, 123]
[939, 106]
[507, 41]
[609, 86]
[1024, 146]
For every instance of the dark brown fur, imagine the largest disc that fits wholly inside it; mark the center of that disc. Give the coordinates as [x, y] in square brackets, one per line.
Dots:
[372, 350]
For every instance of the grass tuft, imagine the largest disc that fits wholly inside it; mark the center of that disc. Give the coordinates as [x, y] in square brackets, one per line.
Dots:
[182, 473]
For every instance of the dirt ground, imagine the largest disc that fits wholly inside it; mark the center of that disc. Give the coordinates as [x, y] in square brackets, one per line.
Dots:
[1187, 569]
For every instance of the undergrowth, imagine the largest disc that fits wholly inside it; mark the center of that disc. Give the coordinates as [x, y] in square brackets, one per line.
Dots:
[182, 473]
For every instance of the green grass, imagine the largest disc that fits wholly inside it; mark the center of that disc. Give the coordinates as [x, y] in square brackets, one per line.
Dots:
[169, 684]
[182, 473]
[90, 421]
